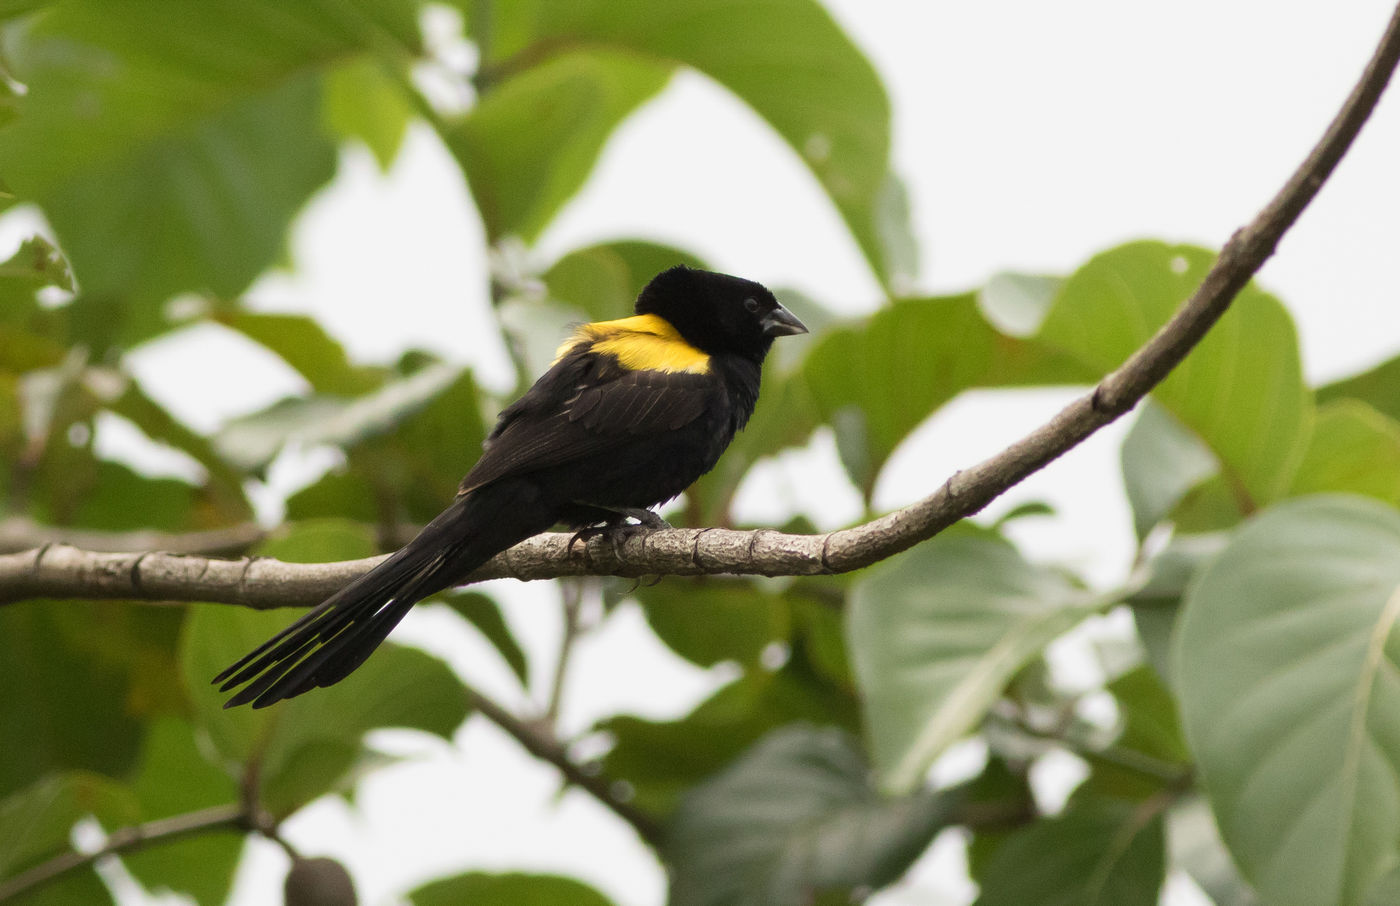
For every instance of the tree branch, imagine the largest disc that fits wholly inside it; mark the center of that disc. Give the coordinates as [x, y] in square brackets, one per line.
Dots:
[164, 830]
[539, 740]
[63, 571]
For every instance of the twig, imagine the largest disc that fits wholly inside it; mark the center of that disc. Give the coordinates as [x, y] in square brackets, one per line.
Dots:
[163, 830]
[18, 533]
[571, 604]
[539, 740]
[59, 571]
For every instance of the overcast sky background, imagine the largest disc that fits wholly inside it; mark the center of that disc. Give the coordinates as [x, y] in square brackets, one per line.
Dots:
[1031, 136]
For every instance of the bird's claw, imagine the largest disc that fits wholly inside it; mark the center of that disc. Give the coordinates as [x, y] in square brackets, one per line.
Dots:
[619, 533]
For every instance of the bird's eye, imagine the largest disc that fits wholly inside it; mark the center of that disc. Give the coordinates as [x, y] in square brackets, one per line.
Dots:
[751, 304]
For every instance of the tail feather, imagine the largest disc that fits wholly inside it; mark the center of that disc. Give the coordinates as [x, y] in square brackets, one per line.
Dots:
[330, 641]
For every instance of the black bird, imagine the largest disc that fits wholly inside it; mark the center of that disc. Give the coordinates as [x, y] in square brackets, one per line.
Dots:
[629, 415]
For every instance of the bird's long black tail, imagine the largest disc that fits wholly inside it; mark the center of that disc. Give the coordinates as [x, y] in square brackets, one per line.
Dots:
[334, 638]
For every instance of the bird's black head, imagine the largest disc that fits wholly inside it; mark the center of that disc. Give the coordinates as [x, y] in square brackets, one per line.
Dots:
[717, 313]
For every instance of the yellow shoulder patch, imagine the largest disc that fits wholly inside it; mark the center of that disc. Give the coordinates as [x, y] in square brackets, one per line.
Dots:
[639, 343]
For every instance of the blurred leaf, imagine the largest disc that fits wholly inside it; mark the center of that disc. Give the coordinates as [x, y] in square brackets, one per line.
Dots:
[1285, 661]
[363, 101]
[1354, 448]
[338, 494]
[1099, 855]
[173, 778]
[710, 620]
[1016, 304]
[1379, 387]
[1241, 390]
[303, 343]
[171, 159]
[253, 441]
[661, 760]
[1196, 848]
[1212, 506]
[36, 824]
[813, 86]
[305, 747]
[531, 141]
[877, 381]
[794, 818]
[512, 889]
[485, 614]
[1156, 604]
[157, 423]
[604, 280]
[36, 264]
[936, 635]
[1161, 462]
[78, 677]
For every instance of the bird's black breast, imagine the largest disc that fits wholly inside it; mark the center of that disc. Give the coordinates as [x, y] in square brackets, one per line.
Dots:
[590, 431]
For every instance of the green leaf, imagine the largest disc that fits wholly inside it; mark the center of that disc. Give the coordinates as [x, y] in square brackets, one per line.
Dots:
[1241, 390]
[1016, 304]
[173, 778]
[707, 621]
[303, 343]
[306, 747]
[36, 824]
[1285, 661]
[173, 158]
[531, 141]
[1196, 848]
[511, 889]
[78, 678]
[604, 280]
[1354, 448]
[877, 381]
[936, 635]
[365, 102]
[1161, 462]
[253, 441]
[1156, 603]
[485, 614]
[813, 86]
[1103, 854]
[1379, 387]
[792, 819]
[661, 760]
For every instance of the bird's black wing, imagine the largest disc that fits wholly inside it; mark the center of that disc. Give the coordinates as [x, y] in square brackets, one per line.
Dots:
[585, 405]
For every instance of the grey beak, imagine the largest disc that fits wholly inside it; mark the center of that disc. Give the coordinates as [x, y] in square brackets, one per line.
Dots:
[781, 323]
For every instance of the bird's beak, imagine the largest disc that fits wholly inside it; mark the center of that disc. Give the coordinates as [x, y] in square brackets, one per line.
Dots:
[781, 323]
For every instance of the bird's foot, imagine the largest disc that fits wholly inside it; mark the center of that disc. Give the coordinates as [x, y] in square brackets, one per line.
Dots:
[619, 532]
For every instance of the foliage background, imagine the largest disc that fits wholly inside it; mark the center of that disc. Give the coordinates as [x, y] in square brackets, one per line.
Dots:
[999, 165]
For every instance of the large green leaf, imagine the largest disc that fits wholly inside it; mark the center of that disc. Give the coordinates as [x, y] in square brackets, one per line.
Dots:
[604, 280]
[171, 155]
[812, 85]
[1104, 854]
[793, 819]
[513, 889]
[877, 381]
[174, 778]
[1161, 461]
[710, 620]
[532, 140]
[1379, 386]
[1354, 448]
[660, 760]
[253, 441]
[936, 635]
[37, 824]
[78, 677]
[1241, 390]
[1286, 663]
[305, 747]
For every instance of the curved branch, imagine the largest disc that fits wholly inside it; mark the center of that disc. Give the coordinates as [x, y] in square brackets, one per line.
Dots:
[164, 830]
[62, 571]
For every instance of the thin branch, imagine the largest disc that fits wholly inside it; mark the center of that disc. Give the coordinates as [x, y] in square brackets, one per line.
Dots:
[61, 571]
[571, 605]
[18, 533]
[539, 740]
[164, 830]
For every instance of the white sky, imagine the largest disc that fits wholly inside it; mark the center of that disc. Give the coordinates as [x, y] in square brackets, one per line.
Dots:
[1031, 135]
